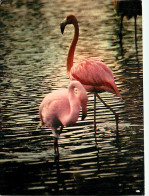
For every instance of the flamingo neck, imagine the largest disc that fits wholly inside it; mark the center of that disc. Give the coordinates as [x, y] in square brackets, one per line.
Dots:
[72, 47]
[74, 109]
[76, 101]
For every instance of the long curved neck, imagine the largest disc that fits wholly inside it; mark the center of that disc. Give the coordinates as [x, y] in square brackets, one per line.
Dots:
[74, 111]
[72, 47]
[76, 101]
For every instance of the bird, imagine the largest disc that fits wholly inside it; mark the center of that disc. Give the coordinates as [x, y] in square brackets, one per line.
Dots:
[62, 107]
[95, 76]
[130, 9]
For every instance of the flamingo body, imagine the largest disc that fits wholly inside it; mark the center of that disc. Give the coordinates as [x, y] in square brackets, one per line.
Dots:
[128, 8]
[62, 107]
[94, 75]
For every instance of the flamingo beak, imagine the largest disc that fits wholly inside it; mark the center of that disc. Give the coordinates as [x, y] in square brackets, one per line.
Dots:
[83, 115]
[62, 27]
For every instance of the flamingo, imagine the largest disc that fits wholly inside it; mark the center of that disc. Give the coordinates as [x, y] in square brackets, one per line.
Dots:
[62, 107]
[129, 9]
[95, 76]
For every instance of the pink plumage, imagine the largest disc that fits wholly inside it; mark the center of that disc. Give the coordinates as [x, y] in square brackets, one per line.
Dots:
[62, 107]
[94, 75]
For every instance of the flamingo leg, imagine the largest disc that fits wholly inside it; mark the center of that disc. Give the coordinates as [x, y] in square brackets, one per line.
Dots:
[135, 17]
[60, 131]
[56, 141]
[116, 115]
[121, 28]
[95, 112]
[56, 145]
[136, 46]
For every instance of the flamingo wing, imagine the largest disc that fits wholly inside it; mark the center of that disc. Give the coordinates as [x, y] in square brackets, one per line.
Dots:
[53, 107]
[94, 75]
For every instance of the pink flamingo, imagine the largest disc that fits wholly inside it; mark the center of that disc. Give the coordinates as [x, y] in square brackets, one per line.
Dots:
[62, 107]
[95, 76]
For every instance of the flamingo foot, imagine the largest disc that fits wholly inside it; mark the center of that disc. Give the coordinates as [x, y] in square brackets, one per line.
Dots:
[116, 115]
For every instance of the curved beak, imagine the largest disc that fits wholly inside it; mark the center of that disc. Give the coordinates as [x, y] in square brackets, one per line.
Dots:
[62, 27]
[84, 114]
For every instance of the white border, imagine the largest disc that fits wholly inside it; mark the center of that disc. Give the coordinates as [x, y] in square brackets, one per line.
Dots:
[145, 6]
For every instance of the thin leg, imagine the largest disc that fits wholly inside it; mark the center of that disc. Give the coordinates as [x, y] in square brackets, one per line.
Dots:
[95, 112]
[116, 115]
[56, 141]
[136, 44]
[56, 145]
[60, 131]
[135, 17]
[121, 27]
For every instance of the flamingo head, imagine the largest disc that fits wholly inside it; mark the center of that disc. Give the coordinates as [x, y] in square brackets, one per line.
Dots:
[70, 19]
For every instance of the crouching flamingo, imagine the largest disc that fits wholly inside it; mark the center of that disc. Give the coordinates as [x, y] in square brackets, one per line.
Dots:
[95, 76]
[62, 107]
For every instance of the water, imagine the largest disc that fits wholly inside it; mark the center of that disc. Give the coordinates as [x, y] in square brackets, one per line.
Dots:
[33, 62]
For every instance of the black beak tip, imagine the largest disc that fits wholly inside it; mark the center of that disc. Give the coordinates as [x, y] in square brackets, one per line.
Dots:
[62, 27]
[62, 31]
[83, 116]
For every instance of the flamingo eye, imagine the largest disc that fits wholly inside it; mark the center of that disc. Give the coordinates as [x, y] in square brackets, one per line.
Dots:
[68, 21]
[75, 91]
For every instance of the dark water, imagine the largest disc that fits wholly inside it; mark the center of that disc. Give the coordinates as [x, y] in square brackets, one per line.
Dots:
[33, 62]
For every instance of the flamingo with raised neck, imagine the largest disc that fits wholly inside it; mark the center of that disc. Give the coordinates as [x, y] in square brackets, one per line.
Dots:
[95, 76]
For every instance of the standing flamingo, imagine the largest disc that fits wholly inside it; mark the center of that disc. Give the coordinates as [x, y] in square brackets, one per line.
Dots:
[62, 107]
[129, 9]
[95, 76]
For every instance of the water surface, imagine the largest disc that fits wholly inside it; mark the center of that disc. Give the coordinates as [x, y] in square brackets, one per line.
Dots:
[33, 62]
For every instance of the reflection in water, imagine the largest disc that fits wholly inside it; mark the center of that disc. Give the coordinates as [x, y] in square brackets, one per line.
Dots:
[32, 64]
